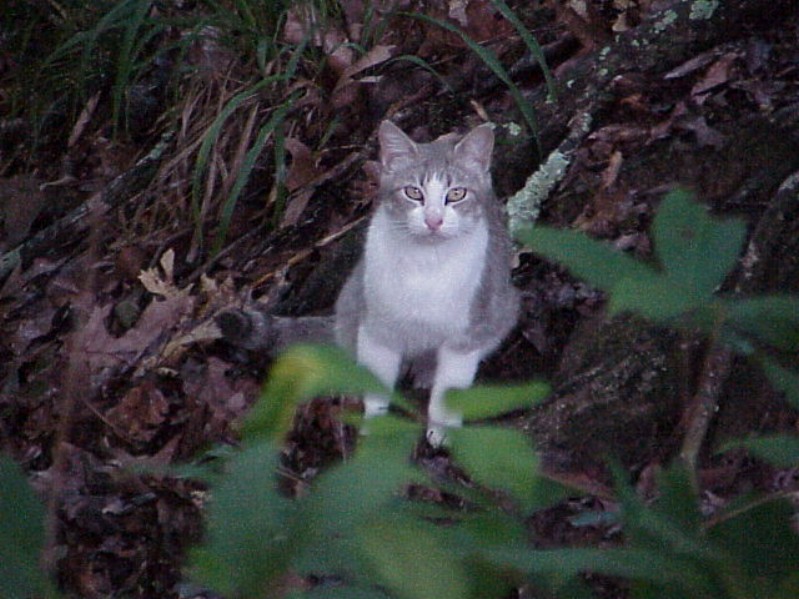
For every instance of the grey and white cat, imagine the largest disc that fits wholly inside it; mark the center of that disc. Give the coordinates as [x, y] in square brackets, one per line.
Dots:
[433, 286]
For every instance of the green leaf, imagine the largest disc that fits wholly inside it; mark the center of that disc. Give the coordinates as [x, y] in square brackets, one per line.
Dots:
[499, 458]
[249, 540]
[408, 558]
[355, 492]
[783, 380]
[770, 319]
[760, 543]
[486, 401]
[486, 529]
[678, 499]
[656, 298]
[780, 450]
[247, 166]
[672, 524]
[345, 591]
[301, 373]
[632, 563]
[351, 492]
[695, 250]
[596, 262]
[22, 535]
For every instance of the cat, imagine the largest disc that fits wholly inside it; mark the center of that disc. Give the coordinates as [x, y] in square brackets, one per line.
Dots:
[433, 284]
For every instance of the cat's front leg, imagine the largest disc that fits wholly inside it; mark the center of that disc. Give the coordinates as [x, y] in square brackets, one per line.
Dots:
[454, 370]
[384, 362]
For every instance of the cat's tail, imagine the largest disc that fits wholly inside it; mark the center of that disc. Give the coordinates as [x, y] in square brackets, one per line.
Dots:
[255, 330]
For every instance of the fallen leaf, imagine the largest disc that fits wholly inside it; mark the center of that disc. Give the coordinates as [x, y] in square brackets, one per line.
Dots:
[694, 64]
[226, 399]
[139, 413]
[304, 24]
[705, 134]
[163, 283]
[303, 168]
[84, 118]
[377, 55]
[611, 173]
[718, 74]
[103, 352]
[21, 201]
[302, 172]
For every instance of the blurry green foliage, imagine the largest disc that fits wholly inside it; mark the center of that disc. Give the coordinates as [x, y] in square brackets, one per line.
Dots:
[22, 537]
[356, 528]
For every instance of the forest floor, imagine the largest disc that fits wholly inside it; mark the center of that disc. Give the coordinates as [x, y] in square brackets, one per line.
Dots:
[110, 358]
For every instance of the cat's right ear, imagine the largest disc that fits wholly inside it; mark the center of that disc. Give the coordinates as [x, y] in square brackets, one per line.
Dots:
[396, 148]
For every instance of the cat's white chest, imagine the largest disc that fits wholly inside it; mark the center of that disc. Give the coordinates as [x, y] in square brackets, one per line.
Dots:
[414, 285]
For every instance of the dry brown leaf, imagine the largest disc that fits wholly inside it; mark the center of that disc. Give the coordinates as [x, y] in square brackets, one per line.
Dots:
[694, 64]
[705, 134]
[456, 10]
[302, 172]
[611, 173]
[83, 120]
[213, 388]
[104, 352]
[485, 23]
[718, 74]
[212, 59]
[163, 283]
[205, 331]
[21, 201]
[303, 167]
[303, 22]
[139, 413]
[377, 55]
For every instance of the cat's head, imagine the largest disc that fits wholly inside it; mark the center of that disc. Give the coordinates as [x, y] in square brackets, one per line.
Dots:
[435, 191]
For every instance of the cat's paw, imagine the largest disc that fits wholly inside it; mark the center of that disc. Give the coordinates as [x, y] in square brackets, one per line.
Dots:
[373, 406]
[439, 422]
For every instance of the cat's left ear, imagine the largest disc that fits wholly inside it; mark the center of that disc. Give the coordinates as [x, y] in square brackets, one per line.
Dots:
[396, 148]
[474, 150]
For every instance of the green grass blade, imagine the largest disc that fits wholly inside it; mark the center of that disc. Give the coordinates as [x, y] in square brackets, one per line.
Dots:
[210, 139]
[422, 63]
[244, 173]
[280, 175]
[411, 560]
[492, 62]
[125, 59]
[246, 13]
[112, 20]
[532, 45]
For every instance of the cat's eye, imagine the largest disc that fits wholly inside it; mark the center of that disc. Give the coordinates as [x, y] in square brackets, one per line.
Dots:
[413, 193]
[456, 194]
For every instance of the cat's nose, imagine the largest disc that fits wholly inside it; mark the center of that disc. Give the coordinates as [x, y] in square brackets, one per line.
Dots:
[433, 221]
